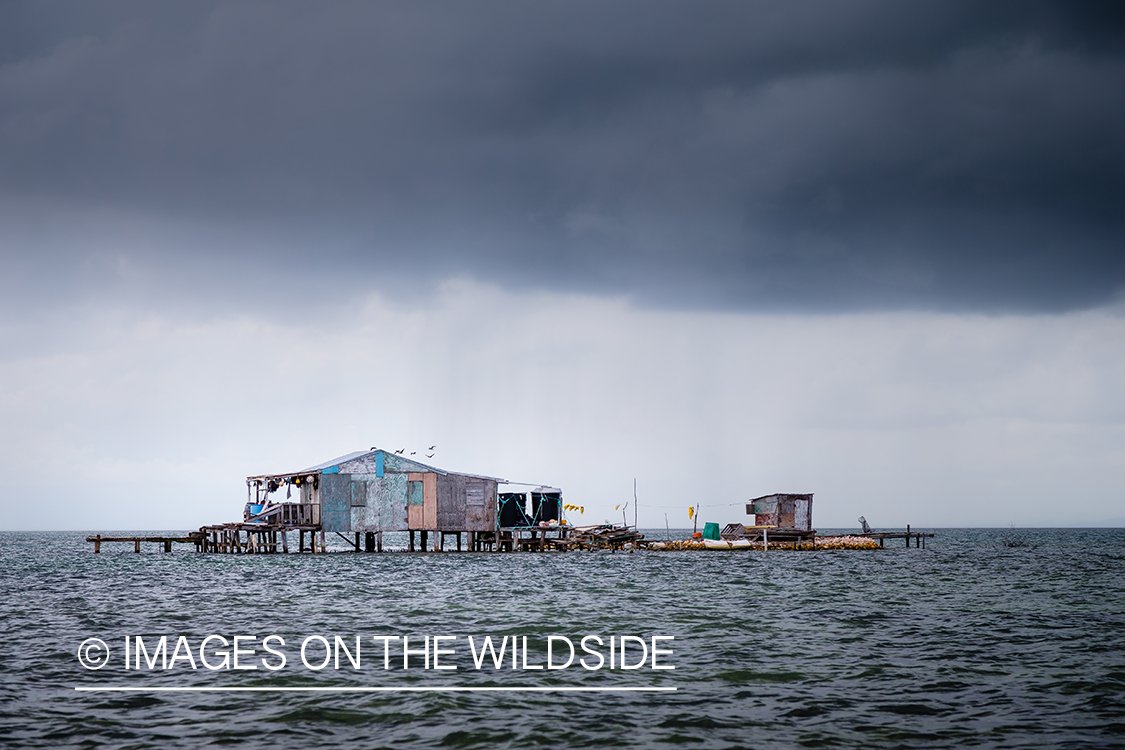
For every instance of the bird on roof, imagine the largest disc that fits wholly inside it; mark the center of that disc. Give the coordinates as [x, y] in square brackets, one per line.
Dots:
[429, 455]
[413, 453]
[399, 451]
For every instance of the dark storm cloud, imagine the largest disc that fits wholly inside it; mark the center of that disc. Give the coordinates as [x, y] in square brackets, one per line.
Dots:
[753, 156]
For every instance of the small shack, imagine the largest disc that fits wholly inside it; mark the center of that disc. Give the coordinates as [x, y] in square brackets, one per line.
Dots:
[376, 490]
[782, 511]
[524, 506]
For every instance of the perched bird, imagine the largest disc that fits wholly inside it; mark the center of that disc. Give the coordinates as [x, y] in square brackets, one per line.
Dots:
[413, 453]
[400, 451]
[429, 455]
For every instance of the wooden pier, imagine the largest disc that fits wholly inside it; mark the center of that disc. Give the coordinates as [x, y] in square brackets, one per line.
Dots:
[194, 537]
[918, 537]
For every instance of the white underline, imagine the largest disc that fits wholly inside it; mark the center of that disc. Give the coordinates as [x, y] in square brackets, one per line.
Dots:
[435, 689]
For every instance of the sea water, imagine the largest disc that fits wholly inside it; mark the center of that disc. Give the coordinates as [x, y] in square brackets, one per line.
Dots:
[985, 638]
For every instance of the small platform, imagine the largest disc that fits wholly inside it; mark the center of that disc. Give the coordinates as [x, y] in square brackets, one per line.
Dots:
[194, 537]
[918, 536]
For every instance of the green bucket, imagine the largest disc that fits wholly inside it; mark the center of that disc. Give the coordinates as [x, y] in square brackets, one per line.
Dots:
[711, 531]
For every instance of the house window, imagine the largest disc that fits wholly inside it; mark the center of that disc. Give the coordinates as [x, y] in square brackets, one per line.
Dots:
[414, 493]
[359, 494]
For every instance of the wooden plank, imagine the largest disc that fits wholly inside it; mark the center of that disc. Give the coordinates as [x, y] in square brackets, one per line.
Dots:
[429, 501]
[414, 516]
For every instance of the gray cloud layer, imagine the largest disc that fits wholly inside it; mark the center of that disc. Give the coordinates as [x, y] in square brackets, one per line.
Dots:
[733, 155]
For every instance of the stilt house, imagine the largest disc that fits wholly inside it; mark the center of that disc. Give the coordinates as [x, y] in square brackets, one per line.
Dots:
[377, 490]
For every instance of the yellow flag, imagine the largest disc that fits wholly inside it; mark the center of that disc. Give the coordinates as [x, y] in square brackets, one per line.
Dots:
[690, 513]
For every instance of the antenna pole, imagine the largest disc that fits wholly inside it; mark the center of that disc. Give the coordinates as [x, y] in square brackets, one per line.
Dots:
[634, 502]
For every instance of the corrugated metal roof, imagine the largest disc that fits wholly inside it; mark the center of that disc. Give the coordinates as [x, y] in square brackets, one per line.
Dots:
[348, 457]
[314, 469]
[361, 454]
[782, 494]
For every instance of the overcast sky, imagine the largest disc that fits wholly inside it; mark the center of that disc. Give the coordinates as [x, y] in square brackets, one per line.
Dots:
[871, 250]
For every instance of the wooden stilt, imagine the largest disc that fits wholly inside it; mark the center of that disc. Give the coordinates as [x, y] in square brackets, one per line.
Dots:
[378, 541]
[137, 546]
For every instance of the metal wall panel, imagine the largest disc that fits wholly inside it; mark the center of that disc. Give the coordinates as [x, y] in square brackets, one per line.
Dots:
[335, 502]
[386, 504]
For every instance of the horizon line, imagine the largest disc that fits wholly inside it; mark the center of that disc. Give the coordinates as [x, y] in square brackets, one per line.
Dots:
[337, 689]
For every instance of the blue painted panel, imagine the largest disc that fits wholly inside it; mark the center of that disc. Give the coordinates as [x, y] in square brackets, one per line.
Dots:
[335, 502]
[379, 464]
[331, 470]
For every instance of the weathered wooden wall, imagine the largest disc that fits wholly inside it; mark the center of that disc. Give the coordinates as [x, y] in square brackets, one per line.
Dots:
[480, 505]
[385, 492]
[422, 500]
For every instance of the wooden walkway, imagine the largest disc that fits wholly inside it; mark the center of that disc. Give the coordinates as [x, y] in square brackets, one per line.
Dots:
[918, 537]
[194, 537]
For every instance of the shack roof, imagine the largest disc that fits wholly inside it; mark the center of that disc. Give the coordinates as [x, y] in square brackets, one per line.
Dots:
[356, 455]
[781, 494]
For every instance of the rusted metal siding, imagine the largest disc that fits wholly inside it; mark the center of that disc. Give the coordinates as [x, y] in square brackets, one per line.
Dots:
[765, 512]
[786, 511]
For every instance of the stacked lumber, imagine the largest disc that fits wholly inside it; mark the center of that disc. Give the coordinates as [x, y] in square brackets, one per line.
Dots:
[603, 535]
